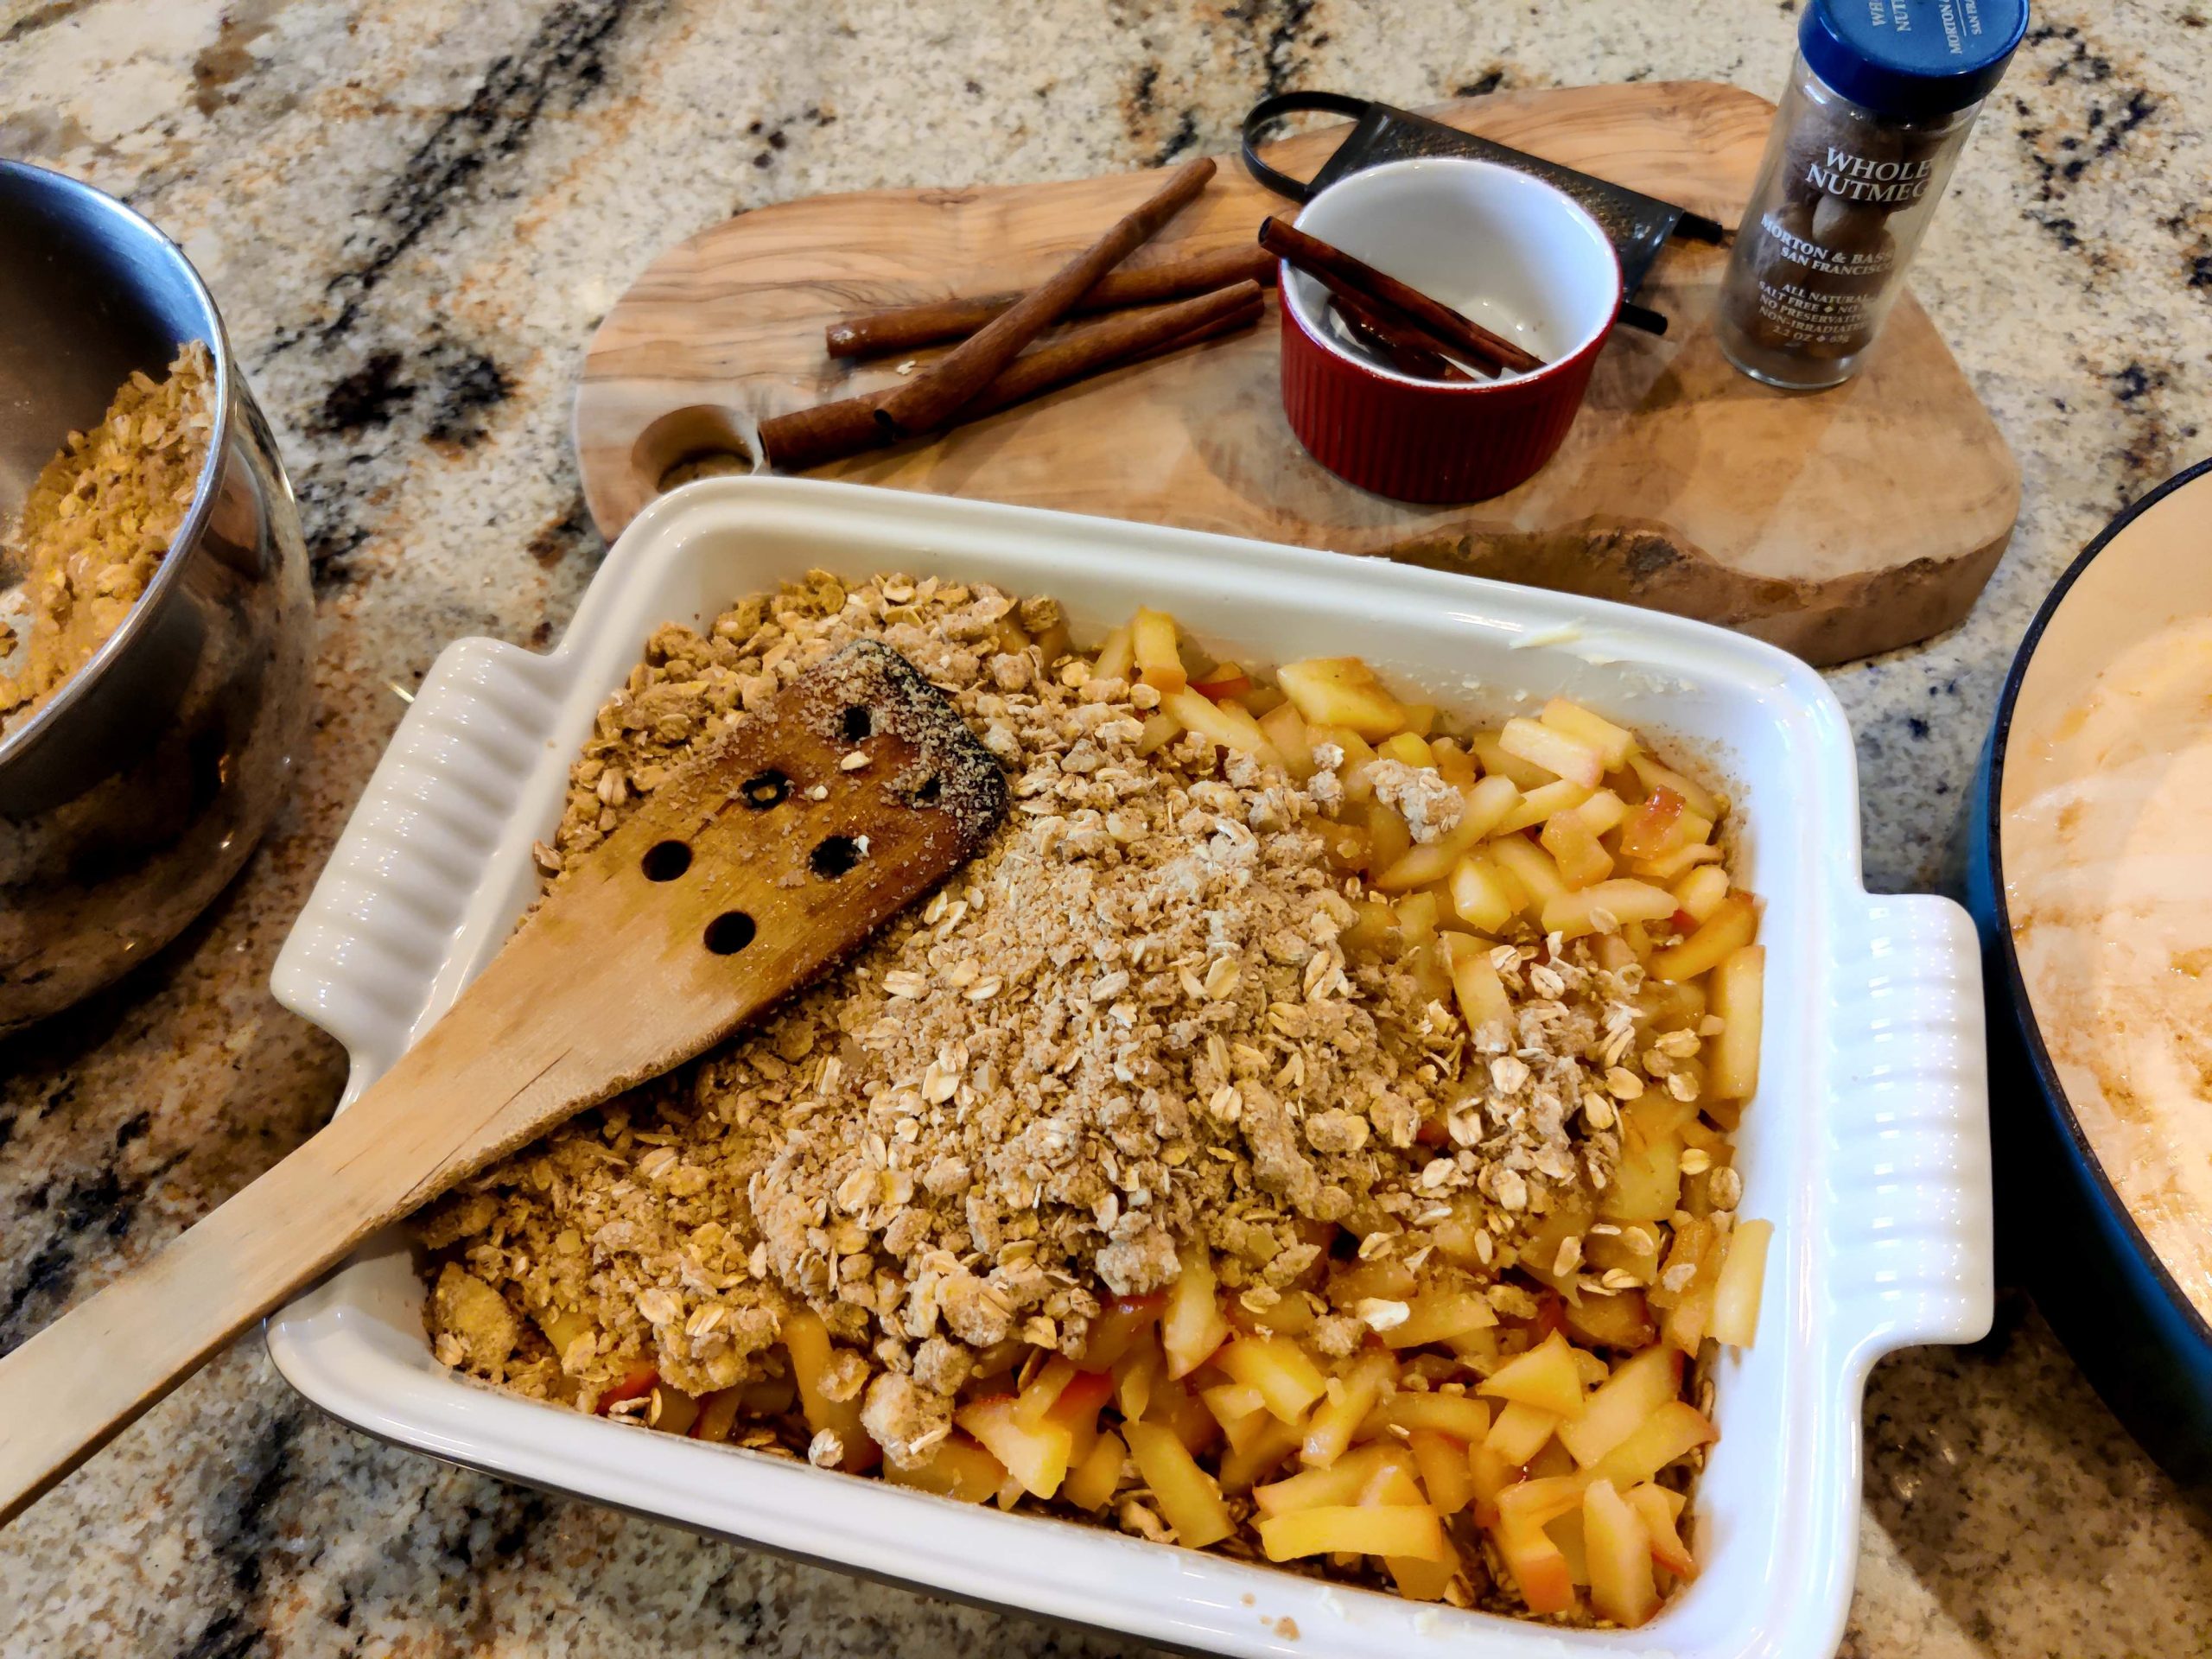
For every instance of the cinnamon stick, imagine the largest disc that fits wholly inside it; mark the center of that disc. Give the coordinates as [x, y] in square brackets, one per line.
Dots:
[1406, 350]
[1339, 273]
[828, 432]
[927, 401]
[906, 326]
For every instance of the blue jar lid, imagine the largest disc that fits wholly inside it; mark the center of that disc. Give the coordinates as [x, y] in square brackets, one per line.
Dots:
[1912, 59]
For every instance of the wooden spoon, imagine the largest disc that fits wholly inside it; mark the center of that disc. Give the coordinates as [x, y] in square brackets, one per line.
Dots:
[856, 790]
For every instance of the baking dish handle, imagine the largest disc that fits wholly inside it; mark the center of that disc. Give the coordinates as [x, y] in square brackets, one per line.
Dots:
[1908, 1179]
[359, 962]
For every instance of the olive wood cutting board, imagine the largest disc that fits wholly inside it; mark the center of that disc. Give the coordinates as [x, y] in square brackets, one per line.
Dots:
[1835, 523]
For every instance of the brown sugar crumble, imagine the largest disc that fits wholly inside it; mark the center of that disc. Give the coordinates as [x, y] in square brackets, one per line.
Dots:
[1131, 1026]
[99, 520]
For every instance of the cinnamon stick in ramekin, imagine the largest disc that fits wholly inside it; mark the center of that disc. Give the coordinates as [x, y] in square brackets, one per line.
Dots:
[928, 399]
[1341, 273]
[906, 326]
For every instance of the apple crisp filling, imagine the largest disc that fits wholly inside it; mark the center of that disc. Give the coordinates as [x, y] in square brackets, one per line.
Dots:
[1301, 1132]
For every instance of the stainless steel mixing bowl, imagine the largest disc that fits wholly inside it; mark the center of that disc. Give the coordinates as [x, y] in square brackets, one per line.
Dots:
[133, 796]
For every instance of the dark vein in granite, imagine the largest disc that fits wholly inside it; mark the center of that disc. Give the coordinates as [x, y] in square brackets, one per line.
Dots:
[41, 17]
[561, 64]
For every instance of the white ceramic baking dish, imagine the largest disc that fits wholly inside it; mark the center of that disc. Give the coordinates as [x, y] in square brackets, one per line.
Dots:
[1867, 1147]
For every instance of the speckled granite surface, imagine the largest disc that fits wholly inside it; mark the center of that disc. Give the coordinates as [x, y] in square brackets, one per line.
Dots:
[412, 213]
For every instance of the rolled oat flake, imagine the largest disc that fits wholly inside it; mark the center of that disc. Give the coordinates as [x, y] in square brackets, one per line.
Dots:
[1881, 97]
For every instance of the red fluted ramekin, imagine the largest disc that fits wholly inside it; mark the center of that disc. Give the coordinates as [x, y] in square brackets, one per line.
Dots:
[1504, 248]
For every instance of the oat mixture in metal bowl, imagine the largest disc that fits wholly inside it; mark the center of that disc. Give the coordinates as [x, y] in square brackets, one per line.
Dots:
[1303, 1132]
[94, 528]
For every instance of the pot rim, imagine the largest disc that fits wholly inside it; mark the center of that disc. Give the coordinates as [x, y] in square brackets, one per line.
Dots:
[1992, 815]
[19, 737]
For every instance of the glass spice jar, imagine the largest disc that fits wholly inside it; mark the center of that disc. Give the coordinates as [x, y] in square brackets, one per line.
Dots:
[1881, 97]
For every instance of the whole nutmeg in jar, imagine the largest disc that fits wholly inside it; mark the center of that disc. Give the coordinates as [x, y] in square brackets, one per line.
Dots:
[1881, 98]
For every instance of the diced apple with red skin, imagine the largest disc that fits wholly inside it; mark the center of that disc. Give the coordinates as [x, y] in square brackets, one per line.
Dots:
[1540, 1571]
[1037, 1457]
[1221, 682]
[1618, 1546]
[1649, 828]
[638, 1380]
[1553, 750]
[1660, 1510]
[1342, 691]
[1152, 638]
[1186, 1496]
[1623, 1403]
[1545, 1377]
[1191, 1327]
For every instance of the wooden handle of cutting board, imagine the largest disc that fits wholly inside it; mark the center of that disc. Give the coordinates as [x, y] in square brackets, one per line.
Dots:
[735, 883]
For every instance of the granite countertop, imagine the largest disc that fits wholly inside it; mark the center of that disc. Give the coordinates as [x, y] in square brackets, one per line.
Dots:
[413, 212]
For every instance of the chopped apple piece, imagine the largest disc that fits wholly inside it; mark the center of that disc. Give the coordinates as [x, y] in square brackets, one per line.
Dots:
[1091, 1484]
[1620, 1405]
[1603, 812]
[1263, 1453]
[1420, 717]
[1420, 1581]
[1479, 897]
[1728, 930]
[1185, 1494]
[1226, 724]
[1732, 1063]
[1461, 1416]
[1287, 735]
[1479, 991]
[1492, 1474]
[1436, 1316]
[1043, 1390]
[1387, 835]
[1278, 1368]
[1350, 1398]
[1530, 865]
[1544, 1378]
[1342, 1482]
[1620, 1319]
[1619, 1554]
[1116, 658]
[1582, 859]
[1389, 1529]
[1191, 1327]
[1698, 799]
[633, 1384]
[1673, 1431]
[1672, 866]
[1342, 691]
[1443, 1473]
[1119, 1325]
[1135, 1374]
[1161, 728]
[807, 1340]
[957, 1468]
[1622, 901]
[1404, 745]
[1661, 1509]
[1736, 1296]
[718, 1414]
[1234, 1404]
[1521, 1431]
[1151, 642]
[1613, 744]
[1221, 682]
[1699, 893]
[1453, 764]
[1540, 1571]
[1038, 1456]
[1553, 750]
[1539, 805]
[1651, 829]
[1496, 761]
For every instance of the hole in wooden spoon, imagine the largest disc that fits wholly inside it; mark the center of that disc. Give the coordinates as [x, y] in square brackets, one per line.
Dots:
[835, 856]
[729, 932]
[860, 721]
[764, 790]
[703, 440]
[666, 860]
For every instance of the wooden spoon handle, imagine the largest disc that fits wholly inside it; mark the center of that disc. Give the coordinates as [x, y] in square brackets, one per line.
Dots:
[72, 1388]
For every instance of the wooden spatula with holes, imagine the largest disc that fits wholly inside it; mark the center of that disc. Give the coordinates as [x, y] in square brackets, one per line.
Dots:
[855, 791]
